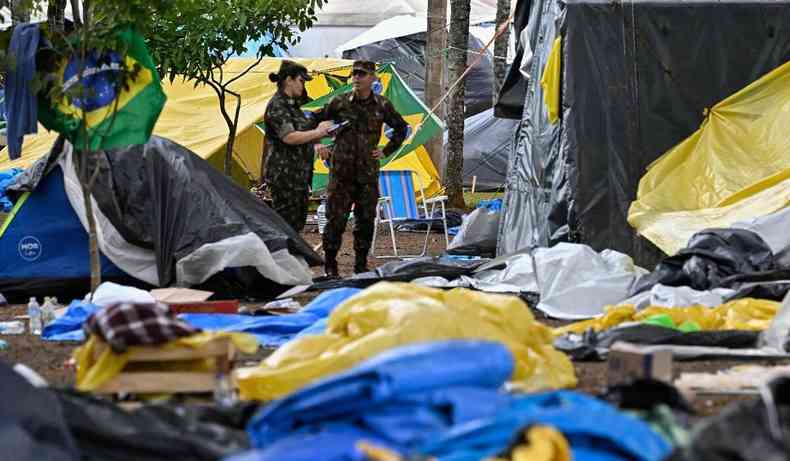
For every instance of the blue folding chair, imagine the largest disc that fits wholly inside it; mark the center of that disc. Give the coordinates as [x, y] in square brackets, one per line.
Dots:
[400, 204]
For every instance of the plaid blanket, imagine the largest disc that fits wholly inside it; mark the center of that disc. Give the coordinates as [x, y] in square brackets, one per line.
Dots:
[123, 325]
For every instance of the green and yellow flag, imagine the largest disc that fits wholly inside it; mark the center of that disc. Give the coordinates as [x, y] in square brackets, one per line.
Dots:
[118, 113]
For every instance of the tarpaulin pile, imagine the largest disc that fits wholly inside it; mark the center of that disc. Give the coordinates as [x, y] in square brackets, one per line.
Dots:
[442, 400]
[734, 325]
[269, 331]
[388, 315]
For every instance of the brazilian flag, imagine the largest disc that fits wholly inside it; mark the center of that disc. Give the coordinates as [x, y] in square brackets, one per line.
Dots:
[118, 113]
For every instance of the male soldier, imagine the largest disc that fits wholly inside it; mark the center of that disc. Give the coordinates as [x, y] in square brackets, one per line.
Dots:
[354, 164]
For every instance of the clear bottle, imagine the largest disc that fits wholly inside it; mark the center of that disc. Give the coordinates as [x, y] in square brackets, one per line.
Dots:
[34, 312]
[47, 312]
[321, 216]
[224, 394]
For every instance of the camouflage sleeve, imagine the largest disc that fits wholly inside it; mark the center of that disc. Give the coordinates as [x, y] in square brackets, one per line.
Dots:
[277, 121]
[399, 127]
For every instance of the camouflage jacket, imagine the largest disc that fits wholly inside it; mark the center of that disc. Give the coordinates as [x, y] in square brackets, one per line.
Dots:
[286, 165]
[352, 156]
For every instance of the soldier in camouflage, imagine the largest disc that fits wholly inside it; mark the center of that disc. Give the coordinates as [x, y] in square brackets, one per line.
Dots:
[354, 163]
[289, 136]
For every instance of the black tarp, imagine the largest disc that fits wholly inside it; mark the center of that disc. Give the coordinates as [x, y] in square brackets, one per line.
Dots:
[408, 55]
[636, 79]
[510, 100]
[710, 259]
[105, 432]
[32, 426]
[595, 345]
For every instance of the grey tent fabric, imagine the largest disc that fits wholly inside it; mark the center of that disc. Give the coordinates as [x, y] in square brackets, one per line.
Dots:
[488, 142]
[408, 55]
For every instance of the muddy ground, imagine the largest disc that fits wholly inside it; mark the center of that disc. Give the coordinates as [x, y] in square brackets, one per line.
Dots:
[50, 359]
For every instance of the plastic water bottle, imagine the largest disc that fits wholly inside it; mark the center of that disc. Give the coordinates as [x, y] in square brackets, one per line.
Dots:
[224, 395]
[12, 328]
[321, 215]
[34, 312]
[47, 312]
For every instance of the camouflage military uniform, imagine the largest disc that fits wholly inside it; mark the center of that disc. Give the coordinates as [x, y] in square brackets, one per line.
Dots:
[289, 169]
[353, 172]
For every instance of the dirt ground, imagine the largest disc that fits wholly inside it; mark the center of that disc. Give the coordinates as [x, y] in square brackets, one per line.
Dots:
[50, 359]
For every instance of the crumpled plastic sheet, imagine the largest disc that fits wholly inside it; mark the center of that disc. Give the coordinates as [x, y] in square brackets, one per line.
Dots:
[666, 296]
[574, 281]
[740, 314]
[389, 315]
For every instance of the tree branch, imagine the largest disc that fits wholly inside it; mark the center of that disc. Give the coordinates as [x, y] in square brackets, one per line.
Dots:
[252, 66]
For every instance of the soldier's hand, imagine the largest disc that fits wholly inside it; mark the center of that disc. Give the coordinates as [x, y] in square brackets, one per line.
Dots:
[322, 151]
[324, 127]
[378, 154]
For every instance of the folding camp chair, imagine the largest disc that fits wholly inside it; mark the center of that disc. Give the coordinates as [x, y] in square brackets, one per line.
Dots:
[398, 204]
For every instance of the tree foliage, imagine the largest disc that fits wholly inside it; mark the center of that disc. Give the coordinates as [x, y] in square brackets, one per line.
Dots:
[196, 38]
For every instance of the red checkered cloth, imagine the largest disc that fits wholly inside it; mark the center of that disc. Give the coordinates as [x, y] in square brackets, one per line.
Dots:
[123, 325]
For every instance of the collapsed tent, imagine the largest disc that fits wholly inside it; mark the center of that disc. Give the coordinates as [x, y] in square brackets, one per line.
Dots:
[402, 40]
[626, 84]
[164, 216]
[192, 118]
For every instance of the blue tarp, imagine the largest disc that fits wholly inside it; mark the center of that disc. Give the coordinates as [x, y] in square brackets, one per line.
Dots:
[442, 400]
[68, 327]
[7, 178]
[271, 331]
[274, 331]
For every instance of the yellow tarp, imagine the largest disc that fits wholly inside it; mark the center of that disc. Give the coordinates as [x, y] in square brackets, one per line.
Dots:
[388, 315]
[735, 167]
[542, 443]
[550, 82]
[192, 118]
[91, 374]
[742, 314]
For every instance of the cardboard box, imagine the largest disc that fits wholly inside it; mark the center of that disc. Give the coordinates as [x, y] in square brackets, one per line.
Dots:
[628, 362]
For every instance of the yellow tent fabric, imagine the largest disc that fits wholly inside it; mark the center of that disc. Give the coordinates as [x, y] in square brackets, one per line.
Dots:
[192, 118]
[388, 315]
[735, 167]
[91, 374]
[742, 314]
[550, 82]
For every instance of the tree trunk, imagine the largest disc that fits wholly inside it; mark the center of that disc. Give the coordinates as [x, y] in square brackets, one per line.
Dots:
[93, 248]
[232, 127]
[459, 45]
[434, 72]
[501, 46]
[75, 13]
[56, 15]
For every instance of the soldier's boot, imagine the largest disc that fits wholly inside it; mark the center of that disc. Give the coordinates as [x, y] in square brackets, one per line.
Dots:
[330, 265]
[361, 262]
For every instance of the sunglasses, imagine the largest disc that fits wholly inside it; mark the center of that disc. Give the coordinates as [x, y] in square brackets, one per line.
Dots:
[360, 73]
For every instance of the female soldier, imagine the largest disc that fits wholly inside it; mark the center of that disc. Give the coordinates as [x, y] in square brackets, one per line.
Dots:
[290, 135]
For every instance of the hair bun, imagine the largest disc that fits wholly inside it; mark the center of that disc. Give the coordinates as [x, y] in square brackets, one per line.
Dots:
[274, 77]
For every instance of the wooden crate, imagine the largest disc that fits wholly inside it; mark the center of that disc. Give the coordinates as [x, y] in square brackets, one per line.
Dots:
[171, 382]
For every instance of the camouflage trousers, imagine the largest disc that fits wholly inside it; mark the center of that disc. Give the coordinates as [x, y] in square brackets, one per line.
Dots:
[290, 204]
[341, 195]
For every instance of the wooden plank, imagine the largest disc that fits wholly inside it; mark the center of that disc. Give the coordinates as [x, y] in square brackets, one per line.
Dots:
[155, 382]
[216, 348]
